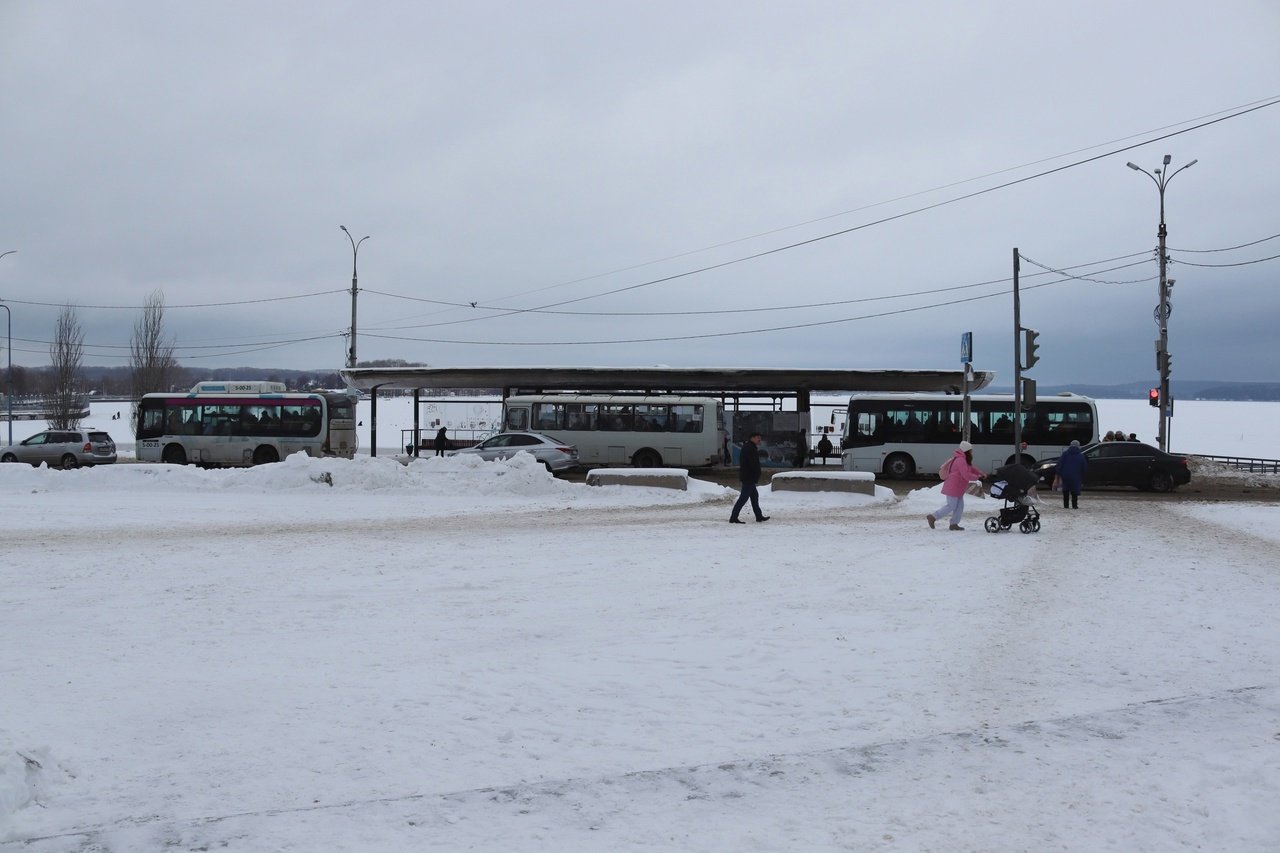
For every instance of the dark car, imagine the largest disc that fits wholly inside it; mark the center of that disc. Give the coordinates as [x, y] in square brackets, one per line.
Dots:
[1126, 463]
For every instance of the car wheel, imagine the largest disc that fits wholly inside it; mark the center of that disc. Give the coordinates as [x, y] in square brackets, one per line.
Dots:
[174, 455]
[646, 459]
[9, 457]
[265, 455]
[899, 466]
[1160, 481]
[69, 460]
[550, 470]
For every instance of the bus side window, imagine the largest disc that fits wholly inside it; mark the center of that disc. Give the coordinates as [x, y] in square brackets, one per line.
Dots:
[517, 419]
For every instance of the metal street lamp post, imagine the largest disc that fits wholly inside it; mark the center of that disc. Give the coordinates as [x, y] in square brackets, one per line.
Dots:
[355, 252]
[1162, 177]
[8, 396]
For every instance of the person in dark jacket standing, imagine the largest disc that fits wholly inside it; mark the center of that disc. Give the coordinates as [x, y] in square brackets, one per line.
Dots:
[749, 473]
[1071, 468]
[442, 441]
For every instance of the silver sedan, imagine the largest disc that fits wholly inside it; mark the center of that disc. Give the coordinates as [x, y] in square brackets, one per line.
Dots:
[553, 453]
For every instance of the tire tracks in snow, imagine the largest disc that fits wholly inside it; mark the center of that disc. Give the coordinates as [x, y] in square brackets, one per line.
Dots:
[595, 799]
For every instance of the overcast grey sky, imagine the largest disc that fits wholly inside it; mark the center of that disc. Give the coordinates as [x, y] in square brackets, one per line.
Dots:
[519, 155]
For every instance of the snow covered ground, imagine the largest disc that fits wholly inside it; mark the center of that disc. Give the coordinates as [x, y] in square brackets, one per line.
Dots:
[360, 655]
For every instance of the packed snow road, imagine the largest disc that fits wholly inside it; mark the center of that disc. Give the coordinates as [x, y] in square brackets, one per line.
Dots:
[454, 656]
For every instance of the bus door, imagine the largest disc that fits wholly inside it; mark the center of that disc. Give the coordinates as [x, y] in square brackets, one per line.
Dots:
[341, 438]
[517, 418]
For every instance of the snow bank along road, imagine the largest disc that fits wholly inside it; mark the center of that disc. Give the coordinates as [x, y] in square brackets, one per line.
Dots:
[228, 660]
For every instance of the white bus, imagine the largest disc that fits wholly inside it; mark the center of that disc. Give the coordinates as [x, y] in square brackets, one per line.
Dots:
[647, 432]
[222, 424]
[900, 435]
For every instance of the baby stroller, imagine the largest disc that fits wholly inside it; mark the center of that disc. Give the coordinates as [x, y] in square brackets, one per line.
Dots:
[1016, 485]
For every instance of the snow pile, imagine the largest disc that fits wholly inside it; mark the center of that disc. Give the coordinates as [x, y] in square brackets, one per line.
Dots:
[27, 776]
[467, 482]
[1207, 471]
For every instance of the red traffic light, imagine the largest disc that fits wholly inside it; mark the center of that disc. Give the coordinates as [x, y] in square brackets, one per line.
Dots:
[1153, 397]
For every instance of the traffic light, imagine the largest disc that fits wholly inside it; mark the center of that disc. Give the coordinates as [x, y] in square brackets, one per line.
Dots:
[1153, 397]
[1029, 348]
[1028, 393]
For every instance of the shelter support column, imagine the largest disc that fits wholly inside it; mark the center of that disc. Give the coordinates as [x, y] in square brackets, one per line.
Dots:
[373, 421]
[417, 400]
[804, 415]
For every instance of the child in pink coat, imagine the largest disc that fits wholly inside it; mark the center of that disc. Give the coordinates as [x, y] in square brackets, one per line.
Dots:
[958, 479]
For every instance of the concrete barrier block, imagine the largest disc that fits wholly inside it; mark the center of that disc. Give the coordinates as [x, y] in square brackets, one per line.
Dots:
[855, 482]
[662, 478]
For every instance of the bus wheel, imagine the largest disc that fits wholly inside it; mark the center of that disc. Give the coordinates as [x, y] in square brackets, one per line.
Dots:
[899, 466]
[174, 455]
[265, 455]
[646, 459]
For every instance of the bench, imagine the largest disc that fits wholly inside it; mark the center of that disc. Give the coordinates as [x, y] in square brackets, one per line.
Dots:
[662, 478]
[855, 482]
[815, 456]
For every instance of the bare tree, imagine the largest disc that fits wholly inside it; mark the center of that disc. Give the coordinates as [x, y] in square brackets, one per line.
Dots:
[64, 390]
[152, 366]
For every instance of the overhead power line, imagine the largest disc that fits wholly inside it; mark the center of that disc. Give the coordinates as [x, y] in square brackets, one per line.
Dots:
[943, 203]
[768, 308]
[1228, 248]
[1230, 112]
[1240, 264]
[741, 332]
[1087, 278]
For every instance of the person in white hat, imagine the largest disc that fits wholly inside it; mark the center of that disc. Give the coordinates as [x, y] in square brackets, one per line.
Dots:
[960, 472]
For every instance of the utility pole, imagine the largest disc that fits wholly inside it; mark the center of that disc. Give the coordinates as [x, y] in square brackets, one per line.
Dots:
[1017, 361]
[355, 289]
[1161, 178]
[1024, 358]
[9, 349]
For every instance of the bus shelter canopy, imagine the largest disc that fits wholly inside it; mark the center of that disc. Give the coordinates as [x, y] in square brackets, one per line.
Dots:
[657, 380]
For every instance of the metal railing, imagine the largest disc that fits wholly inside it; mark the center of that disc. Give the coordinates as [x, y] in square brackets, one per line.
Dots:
[1242, 463]
[425, 438]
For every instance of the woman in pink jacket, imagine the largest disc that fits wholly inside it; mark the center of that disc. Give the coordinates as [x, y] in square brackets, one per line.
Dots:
[958, 479]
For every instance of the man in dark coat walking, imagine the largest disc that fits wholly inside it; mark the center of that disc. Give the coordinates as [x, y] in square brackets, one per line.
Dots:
[749, 474]
[442, 441]
[1071, 468]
